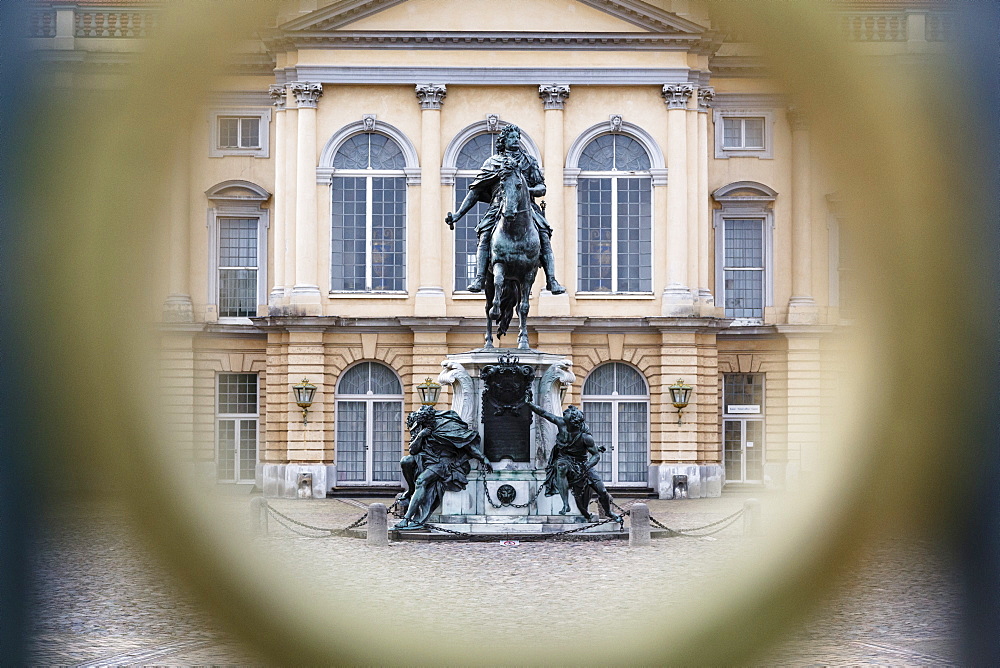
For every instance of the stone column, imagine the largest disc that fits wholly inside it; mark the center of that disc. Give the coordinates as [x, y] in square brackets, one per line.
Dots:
[280, 97]
[553, 158]
[178, 307]
[430, 299]
[305, 292]
[802, 308]
[804, 403]
[706, 94]
[677, 294]
[694, 259]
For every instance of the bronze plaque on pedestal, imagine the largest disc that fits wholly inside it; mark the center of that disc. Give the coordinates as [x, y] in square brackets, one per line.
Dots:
[506, 418]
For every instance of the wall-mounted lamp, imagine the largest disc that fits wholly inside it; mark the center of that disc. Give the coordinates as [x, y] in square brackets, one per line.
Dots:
[679, 395]
[429, 392]
[304, 393]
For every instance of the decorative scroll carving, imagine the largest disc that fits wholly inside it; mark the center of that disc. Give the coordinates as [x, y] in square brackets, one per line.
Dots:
[553, 380]
[368, 121]
[431, 95]
[676, 96]
[307, 93]
[554, 96]
[463, 390]
[706, 97]
[278, 96]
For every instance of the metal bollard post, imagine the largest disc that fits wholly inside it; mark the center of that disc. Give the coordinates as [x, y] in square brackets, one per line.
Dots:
[638, 532]
[752, 524]
[378, 525]
[258, 516]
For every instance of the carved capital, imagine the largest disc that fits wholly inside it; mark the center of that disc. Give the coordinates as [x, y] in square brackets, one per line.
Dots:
[676, 96]
[706, 96]
[431, 95]
[277, 93]
[797, 118]
[307, 93]
[554, 96]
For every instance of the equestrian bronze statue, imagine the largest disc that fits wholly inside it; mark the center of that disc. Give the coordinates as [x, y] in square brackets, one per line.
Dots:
[514, 237]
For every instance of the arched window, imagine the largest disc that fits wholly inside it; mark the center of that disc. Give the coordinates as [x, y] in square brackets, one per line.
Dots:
[369, 215]
[614, 205]
[470, 158]
[616, 403]
[369, 425]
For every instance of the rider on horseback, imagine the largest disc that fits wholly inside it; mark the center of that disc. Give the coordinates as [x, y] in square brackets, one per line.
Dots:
[486, 188]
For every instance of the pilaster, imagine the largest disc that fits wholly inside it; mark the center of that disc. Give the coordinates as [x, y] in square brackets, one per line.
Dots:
[706, 96]
[309, 443]
[281, 192]
[677, 294]
[305, 293]
[430, 347]
[804, 399]
[430, 297]
[802, 309]
[177, 390]
[178, 307]
[554, 99]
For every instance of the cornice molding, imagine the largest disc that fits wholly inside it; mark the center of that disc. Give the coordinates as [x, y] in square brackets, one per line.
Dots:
[497, 76]
[521, 41]
[645, 16]
[339, 14]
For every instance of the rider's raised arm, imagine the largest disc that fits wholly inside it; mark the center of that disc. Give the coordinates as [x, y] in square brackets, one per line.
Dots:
[554, 419]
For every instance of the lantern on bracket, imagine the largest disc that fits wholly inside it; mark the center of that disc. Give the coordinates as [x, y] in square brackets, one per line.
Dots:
[429, 392]
[304, 393]
[680, 395]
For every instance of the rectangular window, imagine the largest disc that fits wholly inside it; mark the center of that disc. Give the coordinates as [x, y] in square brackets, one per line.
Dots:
[238, 132]
[743, 133]
[236, 427]
[368, 234]
[743, 268]
[615, 234]
[466, 240]
[238, 267]
[743, 390]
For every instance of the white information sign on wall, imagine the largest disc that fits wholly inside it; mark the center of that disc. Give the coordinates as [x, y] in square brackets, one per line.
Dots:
[743, 408]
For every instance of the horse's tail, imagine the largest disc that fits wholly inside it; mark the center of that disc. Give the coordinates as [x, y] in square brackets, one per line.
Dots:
[510, 297]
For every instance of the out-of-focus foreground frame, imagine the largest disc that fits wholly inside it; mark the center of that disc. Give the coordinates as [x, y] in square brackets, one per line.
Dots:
[94, 168]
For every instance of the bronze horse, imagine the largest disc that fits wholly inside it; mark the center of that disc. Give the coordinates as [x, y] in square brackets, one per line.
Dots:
[514, 252]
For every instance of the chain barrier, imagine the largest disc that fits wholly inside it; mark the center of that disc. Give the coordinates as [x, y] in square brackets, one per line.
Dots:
[725, 523]
[288, 522]
[527, 503]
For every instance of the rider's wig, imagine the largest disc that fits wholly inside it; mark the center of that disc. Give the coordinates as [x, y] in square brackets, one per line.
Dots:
[506, 131]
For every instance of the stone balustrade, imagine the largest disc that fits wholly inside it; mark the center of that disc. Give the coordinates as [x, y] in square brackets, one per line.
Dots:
[90, 23]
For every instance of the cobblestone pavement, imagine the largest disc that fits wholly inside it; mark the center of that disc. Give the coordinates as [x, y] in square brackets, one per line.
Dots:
[103, 599]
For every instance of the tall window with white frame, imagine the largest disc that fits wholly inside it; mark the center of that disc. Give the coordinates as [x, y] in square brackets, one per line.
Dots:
[369, 425]
[237, 415]
[616, 404]
[470, 159]
[237, 284]
[614, 204]
[369, 215]
[743, 426]
[743, 267]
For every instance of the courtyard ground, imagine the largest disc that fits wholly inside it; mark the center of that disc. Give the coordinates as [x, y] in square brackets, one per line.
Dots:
[102, 599]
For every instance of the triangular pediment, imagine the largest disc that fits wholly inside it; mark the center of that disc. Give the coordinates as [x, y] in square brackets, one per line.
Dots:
[575, 16]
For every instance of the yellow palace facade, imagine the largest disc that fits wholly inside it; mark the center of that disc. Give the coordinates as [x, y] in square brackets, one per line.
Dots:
[695, 231]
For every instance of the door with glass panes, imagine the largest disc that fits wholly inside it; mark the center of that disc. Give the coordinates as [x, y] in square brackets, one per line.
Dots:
[743, 426]
[369, 426]
[236, 427]
[616, 405]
